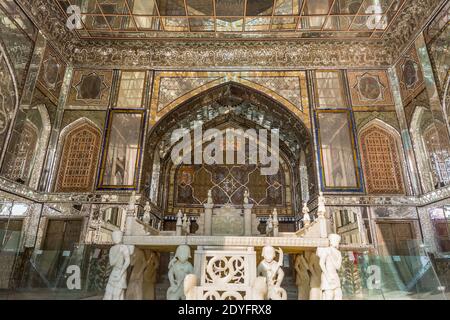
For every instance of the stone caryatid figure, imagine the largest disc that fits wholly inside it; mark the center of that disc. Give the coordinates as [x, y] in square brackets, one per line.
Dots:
[150, 275]
[315, 293]
[306, 216]
[302, 279]
[147, 209]
[330, 263]
[272, 271]
[136, 281]
[119, 259]
[179, 267]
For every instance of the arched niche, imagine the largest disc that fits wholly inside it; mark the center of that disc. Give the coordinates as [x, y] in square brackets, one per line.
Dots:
[219, 107]
[79, 137]
[383, 160]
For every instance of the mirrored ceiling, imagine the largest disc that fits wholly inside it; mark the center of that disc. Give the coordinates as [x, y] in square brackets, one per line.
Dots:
[229, 19]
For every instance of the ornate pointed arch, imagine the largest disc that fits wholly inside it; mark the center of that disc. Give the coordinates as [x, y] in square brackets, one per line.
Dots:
[80, 144]
[381, 158]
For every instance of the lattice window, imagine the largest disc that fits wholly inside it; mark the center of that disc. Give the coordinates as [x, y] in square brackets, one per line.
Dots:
[438, 148]
[22, 155]
[79, 160]
[381, 162]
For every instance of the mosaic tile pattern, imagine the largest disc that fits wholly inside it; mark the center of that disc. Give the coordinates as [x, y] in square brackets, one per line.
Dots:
[171, 88]
[409, 74]
[51, 73]
[86, 91]
[287, 87]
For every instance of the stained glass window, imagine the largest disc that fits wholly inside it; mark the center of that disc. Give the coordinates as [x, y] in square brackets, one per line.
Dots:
[79, 160]
[381, 161]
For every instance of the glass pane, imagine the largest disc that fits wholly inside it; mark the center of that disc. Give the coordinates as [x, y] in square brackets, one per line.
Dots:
[175, 24]
[131, 89]
[314, 7]
[171, 7]
[146, 7]
[346, 6]
[230, 7]
[284, 23]
[257, 24]
[200, 7]
[337, 151]
[151, 23]
[123, 150]
[287, 7]
[259, 7]
[329, 89]
[201, 24]
[312, 22]
[229, 24]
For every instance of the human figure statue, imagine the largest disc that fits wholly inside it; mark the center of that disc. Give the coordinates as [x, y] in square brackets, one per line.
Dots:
[147, 209]
[330, 263]
[210, 200]
[188, 226]
[132, 202]
[269, 226]
[259, 289]
[275, 222]
[179, 267]
[321, 210]
[179, 225]
[272, 271]
[150, 275]
[190, 282]
[306, 216]
[246, 195]
[119, 259]
[302, 277]
[136, 281]
[315, 271]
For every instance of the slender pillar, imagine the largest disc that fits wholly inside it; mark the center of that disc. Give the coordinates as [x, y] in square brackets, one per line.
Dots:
[406, 138]
[248, 219]
[208, 219]
[48, 174]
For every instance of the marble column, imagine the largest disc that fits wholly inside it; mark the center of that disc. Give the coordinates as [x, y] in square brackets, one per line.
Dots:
[208, 219]
[248, 219]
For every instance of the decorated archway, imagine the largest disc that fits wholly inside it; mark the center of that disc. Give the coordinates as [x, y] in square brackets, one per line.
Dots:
[230, 106]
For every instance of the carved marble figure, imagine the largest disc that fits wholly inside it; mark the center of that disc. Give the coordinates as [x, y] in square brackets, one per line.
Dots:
[119, 259]
[302, 278]
[330, 263]
[179, 267]
[272, 271]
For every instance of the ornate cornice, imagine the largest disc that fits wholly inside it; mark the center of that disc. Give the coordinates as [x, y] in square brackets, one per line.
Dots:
[286, 54]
